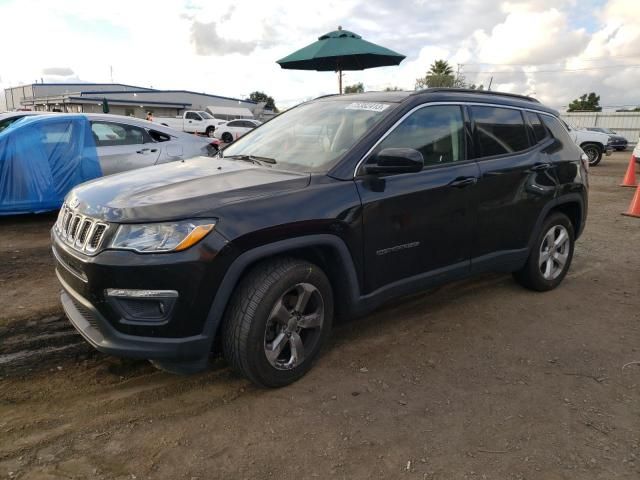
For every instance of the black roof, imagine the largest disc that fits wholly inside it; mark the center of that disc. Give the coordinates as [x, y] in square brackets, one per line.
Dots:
[449, 95]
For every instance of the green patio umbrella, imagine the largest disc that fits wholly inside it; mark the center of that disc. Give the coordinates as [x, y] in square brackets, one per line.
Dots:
[105, 106]
[340, 50]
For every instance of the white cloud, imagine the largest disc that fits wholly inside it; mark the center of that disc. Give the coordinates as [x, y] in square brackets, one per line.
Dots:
[229, 47]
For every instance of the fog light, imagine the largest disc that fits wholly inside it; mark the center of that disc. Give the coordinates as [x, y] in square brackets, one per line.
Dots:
[142, 307]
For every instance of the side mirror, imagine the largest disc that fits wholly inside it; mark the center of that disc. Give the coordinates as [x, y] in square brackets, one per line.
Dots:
[395, 160]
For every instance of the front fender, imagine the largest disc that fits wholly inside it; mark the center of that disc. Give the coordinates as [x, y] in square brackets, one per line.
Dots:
[250, 257]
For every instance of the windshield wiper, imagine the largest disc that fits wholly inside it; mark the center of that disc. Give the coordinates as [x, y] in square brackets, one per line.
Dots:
[253, 159]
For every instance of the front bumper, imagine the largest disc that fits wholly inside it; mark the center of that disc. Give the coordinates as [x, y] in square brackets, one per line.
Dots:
[180, 335]
[97, 330]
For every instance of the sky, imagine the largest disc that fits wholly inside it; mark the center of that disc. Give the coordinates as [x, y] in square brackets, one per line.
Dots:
[555, 50]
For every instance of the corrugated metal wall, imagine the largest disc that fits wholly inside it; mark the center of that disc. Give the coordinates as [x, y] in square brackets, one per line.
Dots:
[626, 124]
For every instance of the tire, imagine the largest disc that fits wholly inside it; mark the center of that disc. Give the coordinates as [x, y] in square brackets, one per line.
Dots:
[594, 152]
[263, 336]
[227, 137]
[536, 274]
[210, 131]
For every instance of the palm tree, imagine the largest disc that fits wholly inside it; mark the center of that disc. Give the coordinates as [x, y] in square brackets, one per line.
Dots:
[440, 68]
[440, 74]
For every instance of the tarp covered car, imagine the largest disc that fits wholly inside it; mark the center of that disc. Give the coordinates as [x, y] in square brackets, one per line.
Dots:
[41, 159]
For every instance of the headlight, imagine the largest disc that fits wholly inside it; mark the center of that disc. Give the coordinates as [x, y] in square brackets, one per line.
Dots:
[161, 237]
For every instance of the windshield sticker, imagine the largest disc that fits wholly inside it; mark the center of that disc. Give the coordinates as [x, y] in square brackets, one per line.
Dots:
[372, 107]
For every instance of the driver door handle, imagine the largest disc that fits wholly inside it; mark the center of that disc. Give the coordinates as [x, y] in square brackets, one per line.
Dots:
[145, 150]
[462, 182]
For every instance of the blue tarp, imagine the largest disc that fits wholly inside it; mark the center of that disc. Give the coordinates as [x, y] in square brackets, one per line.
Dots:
[41, 159]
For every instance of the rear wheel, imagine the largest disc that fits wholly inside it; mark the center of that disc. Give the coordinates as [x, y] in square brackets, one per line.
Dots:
[551, 255]
[227, 137]
[277, 321]
[594, 152]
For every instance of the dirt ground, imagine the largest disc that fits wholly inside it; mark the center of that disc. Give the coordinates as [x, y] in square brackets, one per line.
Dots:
[477, 380]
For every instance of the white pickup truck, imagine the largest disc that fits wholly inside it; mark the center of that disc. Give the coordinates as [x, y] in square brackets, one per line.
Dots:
[593, 143]
[192, 121]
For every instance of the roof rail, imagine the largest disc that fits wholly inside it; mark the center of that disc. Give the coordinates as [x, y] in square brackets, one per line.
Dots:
[481, 92]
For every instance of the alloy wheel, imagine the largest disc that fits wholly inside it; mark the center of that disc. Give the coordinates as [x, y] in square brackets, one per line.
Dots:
[554, 252]
[294, 326]
[592, 153]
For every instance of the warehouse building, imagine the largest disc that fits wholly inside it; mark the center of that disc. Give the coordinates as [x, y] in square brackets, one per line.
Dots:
[127, 100]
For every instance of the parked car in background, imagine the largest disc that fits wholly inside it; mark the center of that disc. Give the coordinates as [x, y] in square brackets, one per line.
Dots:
[42, 157]
[329, 209]
[9, 118]
[594, 144]
[234, 129]
[636, 151]
[618, 142]
[192, 121]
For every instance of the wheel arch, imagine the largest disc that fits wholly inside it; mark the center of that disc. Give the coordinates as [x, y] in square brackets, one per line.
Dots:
[329, 252]
[593, 142]
[572, 205]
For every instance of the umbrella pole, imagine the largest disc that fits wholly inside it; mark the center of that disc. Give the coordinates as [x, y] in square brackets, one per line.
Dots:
[340, 82]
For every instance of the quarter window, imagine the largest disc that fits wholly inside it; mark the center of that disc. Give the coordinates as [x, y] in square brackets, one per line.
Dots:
[499, 130]
[539, 130]
[556, 128]
[437, 132]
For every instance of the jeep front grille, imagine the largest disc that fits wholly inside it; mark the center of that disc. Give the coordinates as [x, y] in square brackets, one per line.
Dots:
[81, 232]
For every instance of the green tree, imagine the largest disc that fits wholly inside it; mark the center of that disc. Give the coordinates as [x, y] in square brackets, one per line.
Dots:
[586, 103]
[263, 97]
[440, 74]
[392, 89]
[355, 88]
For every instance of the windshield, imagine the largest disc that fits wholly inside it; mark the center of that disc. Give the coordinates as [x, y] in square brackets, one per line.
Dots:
[311, 137]
[205, 115]
[8, 121]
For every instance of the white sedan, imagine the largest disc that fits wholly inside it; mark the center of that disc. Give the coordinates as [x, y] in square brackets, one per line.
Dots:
[234, 129]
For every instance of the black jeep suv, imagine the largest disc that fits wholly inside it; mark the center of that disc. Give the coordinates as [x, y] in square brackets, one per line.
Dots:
[327, 210]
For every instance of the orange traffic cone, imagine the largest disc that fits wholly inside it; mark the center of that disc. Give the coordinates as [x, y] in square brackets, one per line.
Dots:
[630, 177]
[634, 207]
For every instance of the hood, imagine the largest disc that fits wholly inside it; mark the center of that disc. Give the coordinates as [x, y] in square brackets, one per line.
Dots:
[184, 189]
[604, 137]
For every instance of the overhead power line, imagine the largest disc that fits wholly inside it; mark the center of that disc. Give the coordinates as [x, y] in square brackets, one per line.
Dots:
[550, 63]
[563, 70]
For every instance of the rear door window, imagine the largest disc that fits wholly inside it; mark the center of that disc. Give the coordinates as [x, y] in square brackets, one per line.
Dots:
[499, 131]
[437, 132]
[107, 134]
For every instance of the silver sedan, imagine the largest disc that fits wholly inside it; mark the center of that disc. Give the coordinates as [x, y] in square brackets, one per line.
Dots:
[125, 143]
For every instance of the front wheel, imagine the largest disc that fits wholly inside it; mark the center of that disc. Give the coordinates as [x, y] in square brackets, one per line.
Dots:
[551, 255]
[277, 321]
[227, 137]
[594, 152]
[210, 131]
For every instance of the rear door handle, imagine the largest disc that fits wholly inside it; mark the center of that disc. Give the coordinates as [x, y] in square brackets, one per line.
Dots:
[541, 166]
[463, 182]
[145, 150]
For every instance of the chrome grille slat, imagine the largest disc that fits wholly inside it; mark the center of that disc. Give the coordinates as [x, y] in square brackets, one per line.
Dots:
[83, 230]
[75, 223]
[83, 233]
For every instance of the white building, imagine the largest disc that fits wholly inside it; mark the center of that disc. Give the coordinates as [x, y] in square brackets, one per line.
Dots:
[126, 100]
